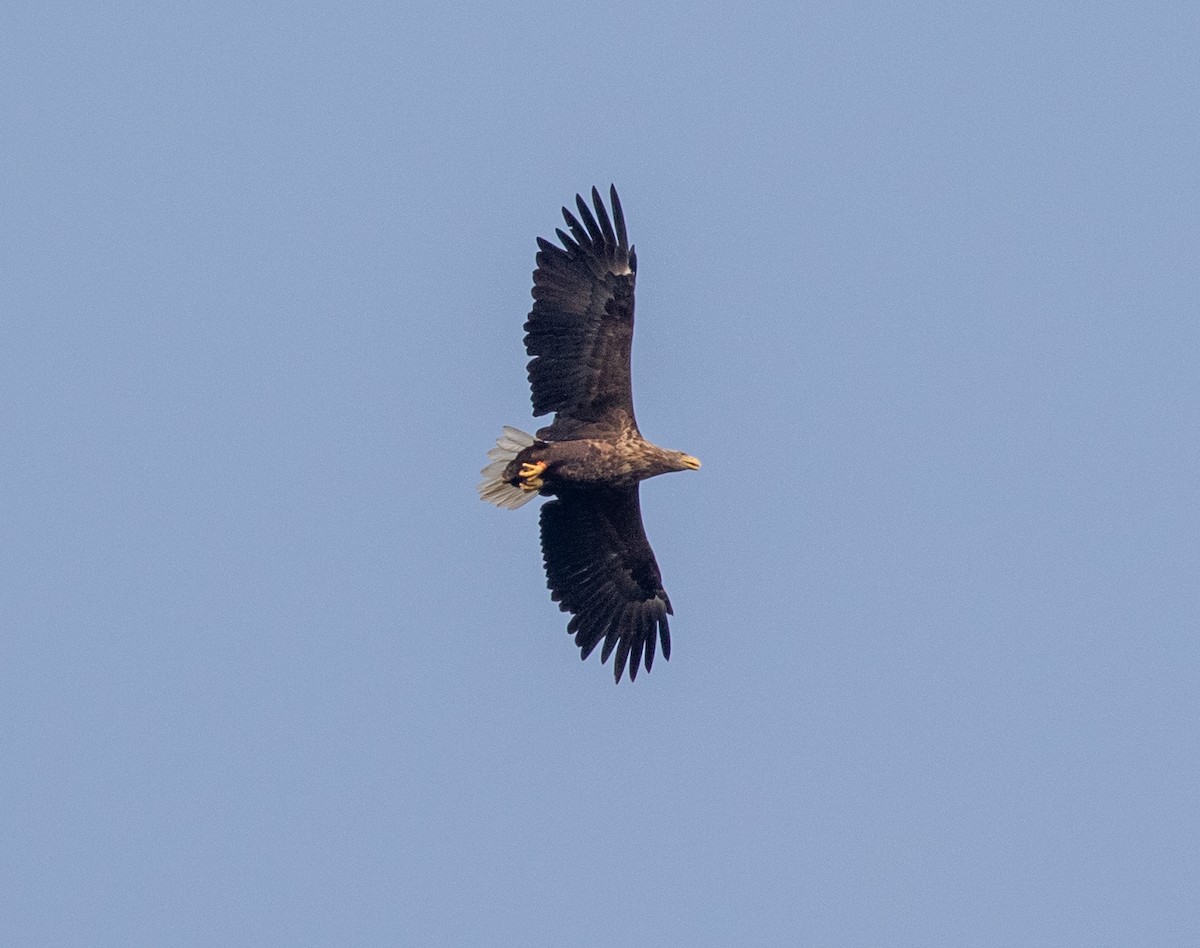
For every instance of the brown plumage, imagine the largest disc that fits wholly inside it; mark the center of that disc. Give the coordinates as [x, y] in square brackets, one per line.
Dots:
[591, 458]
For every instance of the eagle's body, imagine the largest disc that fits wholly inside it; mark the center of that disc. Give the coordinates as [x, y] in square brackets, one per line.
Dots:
[599, 565]
[594, 462]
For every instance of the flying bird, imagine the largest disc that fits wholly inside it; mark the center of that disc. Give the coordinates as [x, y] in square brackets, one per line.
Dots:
[591, 458]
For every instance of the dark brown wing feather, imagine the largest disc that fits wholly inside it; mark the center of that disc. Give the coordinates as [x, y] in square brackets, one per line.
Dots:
[580, 329]
[600, 568]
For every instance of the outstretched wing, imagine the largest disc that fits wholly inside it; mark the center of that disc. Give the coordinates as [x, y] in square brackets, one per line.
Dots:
[600, 568]
[580, 329]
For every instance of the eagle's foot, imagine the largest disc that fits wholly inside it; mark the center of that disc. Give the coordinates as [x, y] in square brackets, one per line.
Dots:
[530, 476]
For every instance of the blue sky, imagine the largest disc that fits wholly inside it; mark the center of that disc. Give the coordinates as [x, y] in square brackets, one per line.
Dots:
[917, 282]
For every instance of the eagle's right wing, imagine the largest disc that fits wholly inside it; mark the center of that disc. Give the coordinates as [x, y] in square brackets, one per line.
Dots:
[580, 329]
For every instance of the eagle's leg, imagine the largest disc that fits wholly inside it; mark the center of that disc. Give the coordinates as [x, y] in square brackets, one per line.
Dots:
[530, 476]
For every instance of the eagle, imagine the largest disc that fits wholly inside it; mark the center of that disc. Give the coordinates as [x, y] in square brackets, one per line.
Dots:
[591, 458]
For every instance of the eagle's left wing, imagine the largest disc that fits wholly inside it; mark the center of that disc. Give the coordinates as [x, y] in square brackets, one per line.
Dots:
[600, 568]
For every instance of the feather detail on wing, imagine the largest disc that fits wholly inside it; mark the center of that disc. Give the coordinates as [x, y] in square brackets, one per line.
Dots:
[600, 568]
[580, 329]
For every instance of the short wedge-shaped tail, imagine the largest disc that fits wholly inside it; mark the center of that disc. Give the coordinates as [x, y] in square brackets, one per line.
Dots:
[494, 488]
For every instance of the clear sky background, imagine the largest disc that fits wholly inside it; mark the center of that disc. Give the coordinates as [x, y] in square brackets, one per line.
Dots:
[918, 283]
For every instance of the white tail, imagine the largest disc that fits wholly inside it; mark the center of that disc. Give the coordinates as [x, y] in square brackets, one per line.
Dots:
[493, 488]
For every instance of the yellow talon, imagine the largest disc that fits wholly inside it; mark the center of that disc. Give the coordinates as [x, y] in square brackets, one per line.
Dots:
[530, 476]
